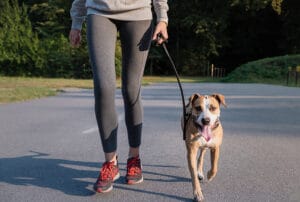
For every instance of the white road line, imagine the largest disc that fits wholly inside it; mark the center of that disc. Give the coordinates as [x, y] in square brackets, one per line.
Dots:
[263, 97]
[90, 130]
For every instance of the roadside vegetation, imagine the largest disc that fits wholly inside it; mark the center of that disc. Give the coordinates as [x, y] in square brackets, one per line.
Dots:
[14, 89]
[34, 43]
[34, 37]
[268, 70]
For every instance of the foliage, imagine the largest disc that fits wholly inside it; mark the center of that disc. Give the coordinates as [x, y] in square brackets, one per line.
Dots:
[49, 17]
[290, 16]
[19, 45]
[199, 35]
[277, 4]
[34, 37]
[254, 33]
[268, 69]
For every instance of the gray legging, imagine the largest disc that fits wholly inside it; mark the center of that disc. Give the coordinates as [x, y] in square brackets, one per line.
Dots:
[135, 41]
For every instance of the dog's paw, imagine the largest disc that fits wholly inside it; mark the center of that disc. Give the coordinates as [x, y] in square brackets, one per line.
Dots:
[198, 196]
[200, 176]
[211, 175]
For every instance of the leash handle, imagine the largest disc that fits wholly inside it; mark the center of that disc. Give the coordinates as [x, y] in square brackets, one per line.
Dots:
[160, 36]
[179, 84]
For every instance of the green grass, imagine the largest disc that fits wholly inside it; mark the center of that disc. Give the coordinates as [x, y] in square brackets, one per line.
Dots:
[14, 89]
[24, 93]
[268, 70]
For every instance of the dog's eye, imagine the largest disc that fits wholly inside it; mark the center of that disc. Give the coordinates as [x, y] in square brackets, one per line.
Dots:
[198, 108]
[212, 108]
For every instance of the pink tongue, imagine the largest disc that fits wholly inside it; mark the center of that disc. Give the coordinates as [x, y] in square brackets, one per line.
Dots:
[206, 132]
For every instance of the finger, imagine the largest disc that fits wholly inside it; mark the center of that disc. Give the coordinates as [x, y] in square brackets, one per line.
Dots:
[75, 40]
[165, 35]
[71, 38]
[160, 41]
[76, 43]
[154, 38]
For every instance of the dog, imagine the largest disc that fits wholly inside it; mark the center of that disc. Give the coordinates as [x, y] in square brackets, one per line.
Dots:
[203, 130]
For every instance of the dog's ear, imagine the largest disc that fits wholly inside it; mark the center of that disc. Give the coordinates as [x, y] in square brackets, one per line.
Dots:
[194, 97]
[192, 100]
[220, 98]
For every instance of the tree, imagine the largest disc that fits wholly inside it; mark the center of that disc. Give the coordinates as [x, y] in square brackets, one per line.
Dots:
[49, 18]
[34, 36]
[290, 16]
[19, 45]
[199, 29]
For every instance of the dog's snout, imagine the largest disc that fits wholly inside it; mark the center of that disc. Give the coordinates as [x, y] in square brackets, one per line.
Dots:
[205, 121]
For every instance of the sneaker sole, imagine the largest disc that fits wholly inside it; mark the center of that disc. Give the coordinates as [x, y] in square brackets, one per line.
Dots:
[98, 190]
[132, 182]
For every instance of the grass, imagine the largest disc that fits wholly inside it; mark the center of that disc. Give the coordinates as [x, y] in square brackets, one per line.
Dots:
[268, 70]
[14, 89]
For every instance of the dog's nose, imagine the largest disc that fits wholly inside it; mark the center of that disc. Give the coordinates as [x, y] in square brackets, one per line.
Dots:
[205, 121]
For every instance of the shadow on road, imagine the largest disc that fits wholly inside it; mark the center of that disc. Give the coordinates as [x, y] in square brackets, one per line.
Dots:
[39, 171]
[70, 177]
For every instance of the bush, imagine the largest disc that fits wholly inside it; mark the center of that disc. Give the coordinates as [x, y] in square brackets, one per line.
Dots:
[19, 46]
[274, 68]
[23, 53]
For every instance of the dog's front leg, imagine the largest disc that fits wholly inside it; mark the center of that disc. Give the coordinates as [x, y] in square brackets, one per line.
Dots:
[200, 164]
[192, 163]
[214, 158]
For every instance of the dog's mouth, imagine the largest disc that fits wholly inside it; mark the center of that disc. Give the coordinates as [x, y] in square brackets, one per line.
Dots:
[205, 131]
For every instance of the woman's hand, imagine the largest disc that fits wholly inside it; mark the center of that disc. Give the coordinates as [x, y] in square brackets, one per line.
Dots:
[75, 38]
[160, 29]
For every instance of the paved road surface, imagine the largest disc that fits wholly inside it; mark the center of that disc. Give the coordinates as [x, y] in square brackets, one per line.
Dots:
[50, 149]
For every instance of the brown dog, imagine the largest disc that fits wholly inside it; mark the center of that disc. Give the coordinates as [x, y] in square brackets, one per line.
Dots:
[203, 130]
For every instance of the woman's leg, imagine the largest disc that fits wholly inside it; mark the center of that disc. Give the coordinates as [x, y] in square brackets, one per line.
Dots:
[101, 35]
[135, 39]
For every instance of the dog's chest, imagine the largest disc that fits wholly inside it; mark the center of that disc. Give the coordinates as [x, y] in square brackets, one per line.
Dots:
[197, 140]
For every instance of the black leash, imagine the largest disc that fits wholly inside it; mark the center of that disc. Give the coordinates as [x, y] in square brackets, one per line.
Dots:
[185, 116]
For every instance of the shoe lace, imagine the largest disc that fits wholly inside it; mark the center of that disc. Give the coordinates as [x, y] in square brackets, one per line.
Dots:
[134, 166]
[106, 172]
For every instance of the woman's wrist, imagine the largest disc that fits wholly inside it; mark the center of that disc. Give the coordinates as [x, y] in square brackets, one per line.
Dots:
[164, 22]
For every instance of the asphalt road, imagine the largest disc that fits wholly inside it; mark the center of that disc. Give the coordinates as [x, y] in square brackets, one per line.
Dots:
[50, 148]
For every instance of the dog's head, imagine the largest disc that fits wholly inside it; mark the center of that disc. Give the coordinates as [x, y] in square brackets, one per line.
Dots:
[205, 110]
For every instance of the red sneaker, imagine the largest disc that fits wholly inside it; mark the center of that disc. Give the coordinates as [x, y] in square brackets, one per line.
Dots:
[134, 171]
[108, 174]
